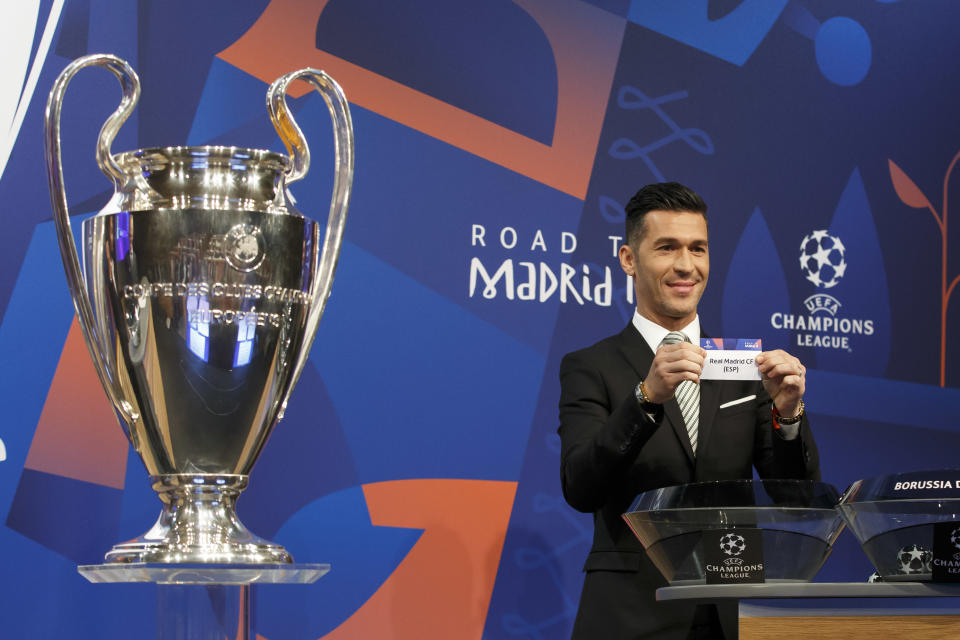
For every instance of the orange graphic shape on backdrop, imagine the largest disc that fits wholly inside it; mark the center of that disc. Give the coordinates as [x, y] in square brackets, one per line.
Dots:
[911, 195]
[78, 435]
[586, 45]
[442, 589]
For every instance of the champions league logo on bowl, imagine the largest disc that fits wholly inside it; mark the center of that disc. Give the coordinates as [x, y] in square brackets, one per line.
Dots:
[945, 558]
[733, 544]
[732, 556]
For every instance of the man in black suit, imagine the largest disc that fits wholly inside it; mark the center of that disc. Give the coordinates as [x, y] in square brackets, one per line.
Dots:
[623, 430]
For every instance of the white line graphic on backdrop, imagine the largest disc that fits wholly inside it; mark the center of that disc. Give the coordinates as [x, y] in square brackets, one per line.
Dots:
[18, 75]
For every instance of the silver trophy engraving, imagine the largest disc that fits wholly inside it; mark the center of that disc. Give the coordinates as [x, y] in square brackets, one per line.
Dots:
[199, 297]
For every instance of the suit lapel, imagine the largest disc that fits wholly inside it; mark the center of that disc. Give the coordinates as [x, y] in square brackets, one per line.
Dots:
[638, 354]
[672, 410]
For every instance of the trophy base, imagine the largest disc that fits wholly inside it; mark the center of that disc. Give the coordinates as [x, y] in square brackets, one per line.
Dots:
[199, 525]
[204, 574]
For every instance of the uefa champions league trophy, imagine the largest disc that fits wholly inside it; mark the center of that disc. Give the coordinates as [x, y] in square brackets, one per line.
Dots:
[200, 295]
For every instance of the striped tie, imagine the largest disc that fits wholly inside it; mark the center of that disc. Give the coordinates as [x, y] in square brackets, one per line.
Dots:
[688, 396]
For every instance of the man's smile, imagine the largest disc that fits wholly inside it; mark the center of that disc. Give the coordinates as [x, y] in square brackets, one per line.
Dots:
[683, 287]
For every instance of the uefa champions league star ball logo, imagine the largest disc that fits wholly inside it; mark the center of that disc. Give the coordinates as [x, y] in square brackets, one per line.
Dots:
[955, 538]
[822, 259]
[914, 558]
[733, 544]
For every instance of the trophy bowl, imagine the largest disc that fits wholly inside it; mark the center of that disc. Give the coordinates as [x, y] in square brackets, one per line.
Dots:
[199, 295]
[894, 517]
[797, 520]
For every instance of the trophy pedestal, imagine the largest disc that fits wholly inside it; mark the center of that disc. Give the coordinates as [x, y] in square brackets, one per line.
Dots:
[203, 602]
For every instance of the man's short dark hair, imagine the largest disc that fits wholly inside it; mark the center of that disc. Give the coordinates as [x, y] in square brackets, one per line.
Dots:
[662, 196]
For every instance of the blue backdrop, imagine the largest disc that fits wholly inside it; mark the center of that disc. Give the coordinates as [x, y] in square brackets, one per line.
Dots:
[496, 144]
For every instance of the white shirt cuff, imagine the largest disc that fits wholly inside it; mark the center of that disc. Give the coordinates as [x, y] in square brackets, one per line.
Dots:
[789, 431]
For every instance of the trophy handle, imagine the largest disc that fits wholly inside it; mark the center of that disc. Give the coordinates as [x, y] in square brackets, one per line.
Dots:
[296, 144]
[130, 84]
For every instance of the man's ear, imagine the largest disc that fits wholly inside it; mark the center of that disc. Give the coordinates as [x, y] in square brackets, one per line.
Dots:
[627, 259]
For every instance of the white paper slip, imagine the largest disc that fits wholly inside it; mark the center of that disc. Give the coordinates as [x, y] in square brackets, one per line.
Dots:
[730, 359]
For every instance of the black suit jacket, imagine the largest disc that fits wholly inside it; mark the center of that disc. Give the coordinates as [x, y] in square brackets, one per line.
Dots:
[611, 451]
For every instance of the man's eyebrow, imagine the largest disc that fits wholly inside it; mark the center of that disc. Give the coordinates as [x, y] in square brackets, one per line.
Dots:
[673, 240]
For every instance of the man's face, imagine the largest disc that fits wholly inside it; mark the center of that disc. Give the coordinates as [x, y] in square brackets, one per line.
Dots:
[669, 266]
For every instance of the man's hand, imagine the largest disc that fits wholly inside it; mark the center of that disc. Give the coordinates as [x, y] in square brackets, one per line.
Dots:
[672, 364]
[784, 378]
